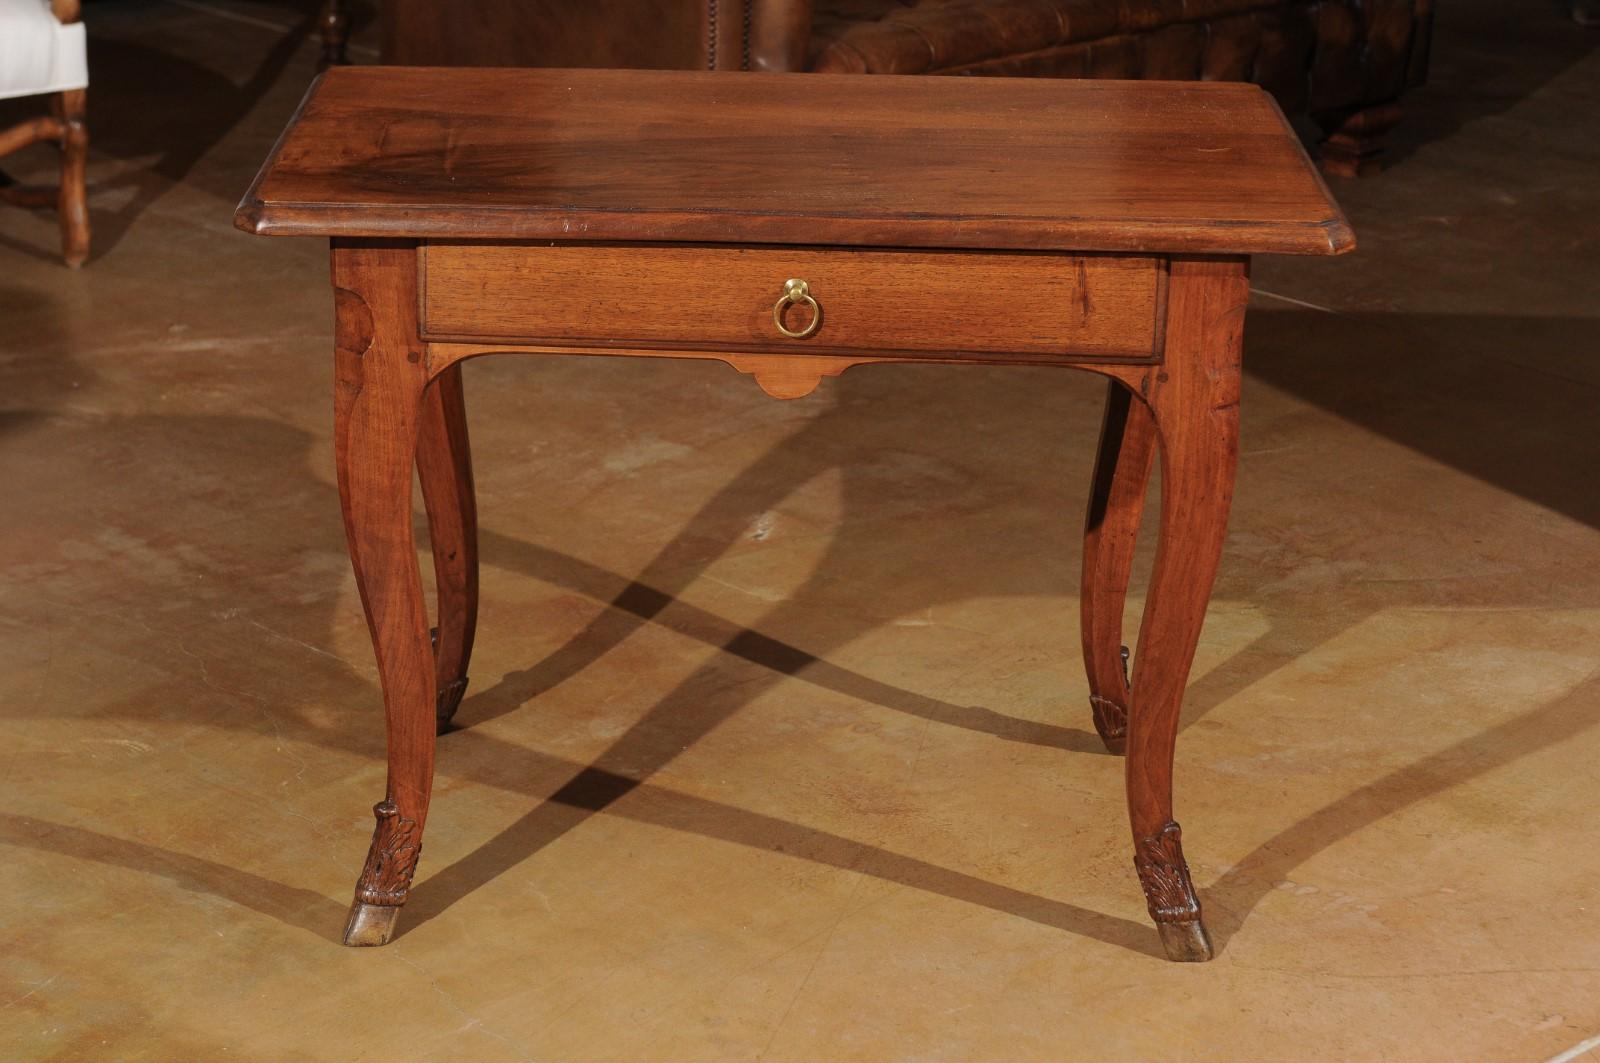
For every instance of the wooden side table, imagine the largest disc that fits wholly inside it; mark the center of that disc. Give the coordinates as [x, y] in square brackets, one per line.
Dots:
[793, 227]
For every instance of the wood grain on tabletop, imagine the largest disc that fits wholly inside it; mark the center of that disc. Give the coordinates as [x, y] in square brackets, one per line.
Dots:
[997, 164]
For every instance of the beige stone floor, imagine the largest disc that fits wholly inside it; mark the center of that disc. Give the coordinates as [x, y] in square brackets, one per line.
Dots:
[777, 745]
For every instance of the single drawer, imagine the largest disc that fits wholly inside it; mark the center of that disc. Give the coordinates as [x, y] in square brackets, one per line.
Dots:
[1026, 304]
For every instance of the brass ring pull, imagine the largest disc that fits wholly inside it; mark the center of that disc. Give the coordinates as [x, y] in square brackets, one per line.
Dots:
[796, 291]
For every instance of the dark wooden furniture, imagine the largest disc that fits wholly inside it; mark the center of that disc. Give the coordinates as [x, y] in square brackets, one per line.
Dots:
[793, 227]
[67, 127]
[333, 27]
[1345, 63]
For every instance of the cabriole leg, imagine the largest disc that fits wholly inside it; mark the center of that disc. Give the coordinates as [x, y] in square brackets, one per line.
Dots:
[444, 466]
[1116, 503]
[378, 389]
[1195, 398]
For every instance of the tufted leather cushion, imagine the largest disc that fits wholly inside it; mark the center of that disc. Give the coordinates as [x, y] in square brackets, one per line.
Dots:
[1317, 55]
[37, 53]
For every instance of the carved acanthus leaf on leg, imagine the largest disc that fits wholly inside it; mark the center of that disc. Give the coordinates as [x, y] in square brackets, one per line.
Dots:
[448, 699]
[1170, 894]
[1111, 720]
[392, 860]
[1165, 876]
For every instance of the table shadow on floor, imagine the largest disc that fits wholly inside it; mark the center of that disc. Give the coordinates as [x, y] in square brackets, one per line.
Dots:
[1451, 426]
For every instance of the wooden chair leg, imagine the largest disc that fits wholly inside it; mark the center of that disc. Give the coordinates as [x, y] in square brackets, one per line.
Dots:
[27, 195]
[378, 389]
[1196, 403]
[444, 466]
[1116, 504]
[335, 27]
[72, 204]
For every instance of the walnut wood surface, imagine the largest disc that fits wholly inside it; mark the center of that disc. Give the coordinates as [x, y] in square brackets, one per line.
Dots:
[783, 376]
[1023, 304]
[789, 159]
[1326, 58]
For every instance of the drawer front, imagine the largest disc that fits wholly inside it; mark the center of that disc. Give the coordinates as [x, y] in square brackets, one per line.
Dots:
[911, 303]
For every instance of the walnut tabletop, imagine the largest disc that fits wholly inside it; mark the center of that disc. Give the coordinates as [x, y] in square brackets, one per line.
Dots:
[792, 226]
[848, 160]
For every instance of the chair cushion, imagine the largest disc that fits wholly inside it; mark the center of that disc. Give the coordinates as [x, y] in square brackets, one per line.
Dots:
[37, 53]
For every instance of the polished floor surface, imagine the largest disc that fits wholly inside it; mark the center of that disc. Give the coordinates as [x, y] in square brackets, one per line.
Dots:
[778, 744]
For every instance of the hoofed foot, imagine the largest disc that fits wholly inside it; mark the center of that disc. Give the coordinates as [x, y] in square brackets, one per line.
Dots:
[1111, 717]
[1170, 894]
[1111, 720]
[1185, 942]
[449, 700]
[370, 924]
[386, 879]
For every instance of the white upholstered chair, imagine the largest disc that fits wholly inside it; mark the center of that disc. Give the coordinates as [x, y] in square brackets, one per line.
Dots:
[42, 53]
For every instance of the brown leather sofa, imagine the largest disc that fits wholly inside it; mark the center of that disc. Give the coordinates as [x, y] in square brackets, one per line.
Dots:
[1345, 63]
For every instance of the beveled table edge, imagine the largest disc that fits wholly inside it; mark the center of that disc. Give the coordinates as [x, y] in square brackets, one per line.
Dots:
[422, 221]
[509, 224]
